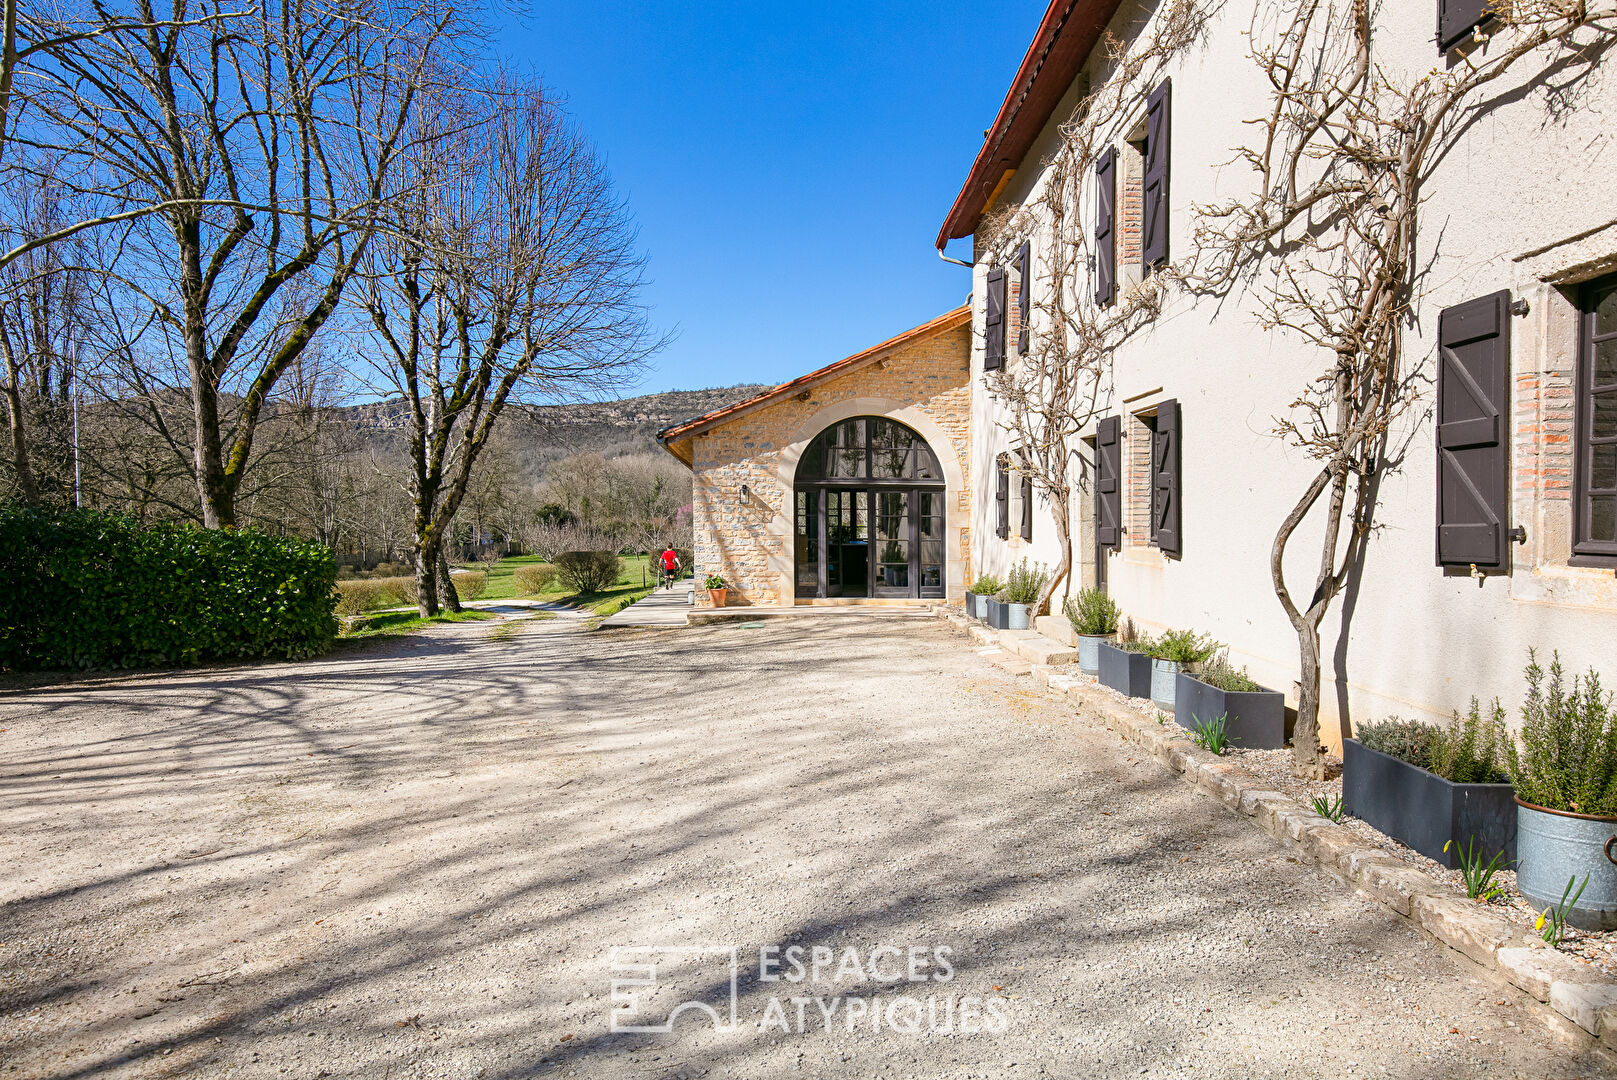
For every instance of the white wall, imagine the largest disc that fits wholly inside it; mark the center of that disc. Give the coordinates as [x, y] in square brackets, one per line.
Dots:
[1420, 642]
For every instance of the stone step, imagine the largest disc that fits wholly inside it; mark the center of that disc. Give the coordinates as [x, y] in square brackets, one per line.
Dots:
[1035, 648]
[1013, 664]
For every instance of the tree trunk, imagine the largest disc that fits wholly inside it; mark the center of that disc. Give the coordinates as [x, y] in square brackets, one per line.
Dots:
[1307, 754]
[426, 579]
[1062, 516]
[447, 596]
[18, 423]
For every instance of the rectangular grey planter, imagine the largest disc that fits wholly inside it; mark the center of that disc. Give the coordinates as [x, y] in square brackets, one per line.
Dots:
[973, 605]
[1125, 671]
[1424, 811]
[1255, 720]
[999, 615]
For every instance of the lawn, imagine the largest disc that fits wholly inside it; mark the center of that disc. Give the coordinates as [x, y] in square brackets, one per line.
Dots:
[635, 580]
[396, 623]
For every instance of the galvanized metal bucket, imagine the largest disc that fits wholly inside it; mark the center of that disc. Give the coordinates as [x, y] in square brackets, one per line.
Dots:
[1164, 674]
[1554, 847]
[1020, 615]
[1089, 652]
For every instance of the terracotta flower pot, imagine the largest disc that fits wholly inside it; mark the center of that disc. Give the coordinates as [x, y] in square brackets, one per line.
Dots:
[717, 596]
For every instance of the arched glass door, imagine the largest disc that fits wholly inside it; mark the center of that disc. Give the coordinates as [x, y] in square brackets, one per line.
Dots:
[869, 509]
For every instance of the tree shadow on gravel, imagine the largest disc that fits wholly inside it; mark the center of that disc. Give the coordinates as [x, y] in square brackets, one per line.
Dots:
[421, 860]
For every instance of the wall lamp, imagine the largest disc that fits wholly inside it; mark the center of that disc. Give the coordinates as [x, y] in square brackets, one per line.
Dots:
[745, 494]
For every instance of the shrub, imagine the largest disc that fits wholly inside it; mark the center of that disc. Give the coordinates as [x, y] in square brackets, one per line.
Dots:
[88, 590]
[469, 584]
[714, 581]
[1473, 750]
[356, 596]
[1568, 755]
[1091, 612]
[1227, 677]
[1406, 740]
[1024, 584]
[1184, 647]
[587, 571]
[533, 577]
[987, 585]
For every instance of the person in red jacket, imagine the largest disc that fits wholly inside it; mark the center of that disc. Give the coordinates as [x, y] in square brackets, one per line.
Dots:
[670, 565]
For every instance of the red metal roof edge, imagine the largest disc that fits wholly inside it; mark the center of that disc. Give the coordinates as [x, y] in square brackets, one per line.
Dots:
[1015, 128]
[686, 428]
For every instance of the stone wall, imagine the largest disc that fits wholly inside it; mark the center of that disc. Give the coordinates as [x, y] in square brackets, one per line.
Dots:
[924, 383]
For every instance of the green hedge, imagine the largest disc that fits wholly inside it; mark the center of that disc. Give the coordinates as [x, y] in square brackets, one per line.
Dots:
[91, 590]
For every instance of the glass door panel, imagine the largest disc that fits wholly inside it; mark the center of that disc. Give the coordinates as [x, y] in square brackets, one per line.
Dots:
[847, 548]
[892, 543]
[930, 524]
[806, 543]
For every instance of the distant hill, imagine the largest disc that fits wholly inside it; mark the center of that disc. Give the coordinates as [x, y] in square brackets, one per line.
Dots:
[625, 426]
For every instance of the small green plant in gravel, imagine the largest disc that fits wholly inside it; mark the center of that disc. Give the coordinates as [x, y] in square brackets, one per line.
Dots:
[1091, 612]
[1477, 875]
[1210, 734]
[1551, 922]
[987, 585]
[1024, 584]
[1185, 647]
[1162, 718]
[1325, 806]
[1567, 760]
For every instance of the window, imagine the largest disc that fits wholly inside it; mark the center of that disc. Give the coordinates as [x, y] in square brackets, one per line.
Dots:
[868, 447]
[1457, 18]
[1594, 506]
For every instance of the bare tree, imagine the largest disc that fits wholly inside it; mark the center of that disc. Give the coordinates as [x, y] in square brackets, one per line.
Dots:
[1327, 246]
[268, 138]
[511, 275]
[1054, 391]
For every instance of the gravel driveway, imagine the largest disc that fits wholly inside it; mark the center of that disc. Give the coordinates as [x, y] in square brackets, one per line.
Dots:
[417, 859]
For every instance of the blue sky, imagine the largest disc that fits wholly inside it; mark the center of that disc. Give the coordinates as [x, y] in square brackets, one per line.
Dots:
[788, 165]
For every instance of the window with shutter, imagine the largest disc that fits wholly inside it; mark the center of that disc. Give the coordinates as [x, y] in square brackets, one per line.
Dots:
[1024, 263]
[1106, 227]
[1457, 18]
[1165, 461]
[994, 323]
[1002, 497]
[1594, 484]
[1473, 370]
[1154, 193]
[1027, 507]
[1108, 481]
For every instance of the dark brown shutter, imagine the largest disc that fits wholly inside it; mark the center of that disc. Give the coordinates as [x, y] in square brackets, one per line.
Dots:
[1027, 507]
[1024, 263]
[1473, 371]
[1455, 18]
[1154, 196]
[994, 324]
[1002, 497]
[1165, 461]
[1106, 227]
[1108, 485]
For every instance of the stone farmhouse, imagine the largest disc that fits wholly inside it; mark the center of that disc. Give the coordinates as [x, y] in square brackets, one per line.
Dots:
[1492, 522]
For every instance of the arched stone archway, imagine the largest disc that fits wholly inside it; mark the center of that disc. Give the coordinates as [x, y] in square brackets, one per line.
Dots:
[783, 525]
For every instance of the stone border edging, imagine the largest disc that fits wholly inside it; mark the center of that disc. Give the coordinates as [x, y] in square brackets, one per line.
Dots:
[1523, 959]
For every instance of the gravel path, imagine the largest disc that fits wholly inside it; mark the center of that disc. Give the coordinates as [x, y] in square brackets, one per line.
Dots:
[415, 861]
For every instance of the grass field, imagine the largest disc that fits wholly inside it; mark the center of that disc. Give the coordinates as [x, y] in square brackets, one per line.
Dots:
[635, 580]
[395, 623]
